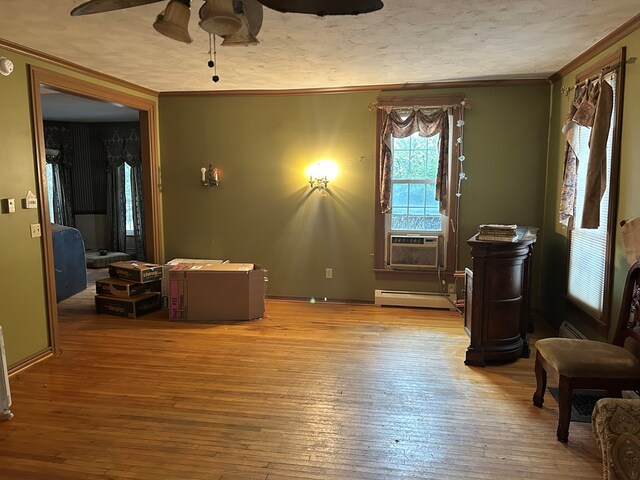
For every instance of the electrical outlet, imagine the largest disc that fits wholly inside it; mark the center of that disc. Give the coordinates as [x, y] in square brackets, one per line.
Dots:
[328, 273]
[35, 230]
[452, 288]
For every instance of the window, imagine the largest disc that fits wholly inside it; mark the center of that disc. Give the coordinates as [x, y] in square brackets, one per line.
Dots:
[50, 187]
[128, 194]
[590, 250]
[414, 207]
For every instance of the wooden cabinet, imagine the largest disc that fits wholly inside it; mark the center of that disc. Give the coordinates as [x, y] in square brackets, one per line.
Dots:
[497, 299]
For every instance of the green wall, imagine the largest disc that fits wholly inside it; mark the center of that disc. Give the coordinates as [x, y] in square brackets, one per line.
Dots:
[24, 316]
[264, 212]
[555, 255]
[22, 290]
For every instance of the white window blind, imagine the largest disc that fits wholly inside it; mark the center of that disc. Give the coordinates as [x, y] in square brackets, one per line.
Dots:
[588, 247]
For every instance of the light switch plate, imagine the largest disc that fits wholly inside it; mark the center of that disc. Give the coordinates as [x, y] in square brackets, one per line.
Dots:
[8, 205]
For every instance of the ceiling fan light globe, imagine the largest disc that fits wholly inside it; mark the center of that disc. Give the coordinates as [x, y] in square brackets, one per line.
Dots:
[221, 25]
[219, 18]
[174, 22]
[242, 37]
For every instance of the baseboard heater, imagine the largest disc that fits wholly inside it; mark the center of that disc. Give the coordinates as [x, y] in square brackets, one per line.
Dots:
[567, 330]
[414, 299]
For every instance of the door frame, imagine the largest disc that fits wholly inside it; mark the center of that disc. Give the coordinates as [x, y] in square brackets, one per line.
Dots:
[150, 169]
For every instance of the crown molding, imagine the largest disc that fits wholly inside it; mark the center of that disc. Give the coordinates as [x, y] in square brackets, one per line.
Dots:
[36, 54]
[365, 88]
[614, 37]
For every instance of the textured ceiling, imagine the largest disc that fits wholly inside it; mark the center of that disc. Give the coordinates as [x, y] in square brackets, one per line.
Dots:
[408, 41]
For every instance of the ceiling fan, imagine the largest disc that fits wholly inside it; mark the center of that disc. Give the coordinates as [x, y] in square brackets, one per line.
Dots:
[237, 21]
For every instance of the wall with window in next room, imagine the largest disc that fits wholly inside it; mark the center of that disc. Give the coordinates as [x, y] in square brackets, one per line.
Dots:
[264, 212]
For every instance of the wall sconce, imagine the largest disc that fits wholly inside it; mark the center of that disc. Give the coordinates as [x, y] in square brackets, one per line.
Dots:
[320, 174]
[209, 176]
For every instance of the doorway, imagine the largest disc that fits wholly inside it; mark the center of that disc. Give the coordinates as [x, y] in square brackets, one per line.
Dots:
[44, 81]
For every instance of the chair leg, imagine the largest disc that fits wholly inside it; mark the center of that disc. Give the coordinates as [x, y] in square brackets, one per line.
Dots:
[541, 382]
[565, 399]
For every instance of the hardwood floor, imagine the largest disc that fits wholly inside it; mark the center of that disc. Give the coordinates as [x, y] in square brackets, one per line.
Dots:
[311, 392]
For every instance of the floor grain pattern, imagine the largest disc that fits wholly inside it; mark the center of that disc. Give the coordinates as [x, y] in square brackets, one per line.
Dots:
[310, 392]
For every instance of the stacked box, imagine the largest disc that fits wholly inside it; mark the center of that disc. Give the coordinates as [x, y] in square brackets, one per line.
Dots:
[136, 271]
[117, 287]
[132, 290]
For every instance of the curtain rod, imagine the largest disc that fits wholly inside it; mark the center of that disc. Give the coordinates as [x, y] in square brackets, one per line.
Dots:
[567, 90]
[399, 106]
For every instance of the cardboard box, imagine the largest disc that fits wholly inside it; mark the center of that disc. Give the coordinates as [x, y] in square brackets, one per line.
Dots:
[135, 271]
[174, 263]
[125, 288]
[229, 291]
[132, 307]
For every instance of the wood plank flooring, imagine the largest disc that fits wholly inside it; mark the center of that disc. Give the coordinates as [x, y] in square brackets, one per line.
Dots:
[310, 392]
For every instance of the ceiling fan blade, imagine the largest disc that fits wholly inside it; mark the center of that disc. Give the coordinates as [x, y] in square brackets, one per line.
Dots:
[324, 7]
[254, 15]
[100, 6]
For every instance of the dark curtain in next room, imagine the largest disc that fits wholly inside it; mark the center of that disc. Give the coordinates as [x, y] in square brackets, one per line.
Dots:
[89, 160]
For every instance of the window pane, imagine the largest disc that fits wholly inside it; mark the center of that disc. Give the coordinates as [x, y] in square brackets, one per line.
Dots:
[415, 222]
[128, 199]
[430, 195]
[49, 170]
[415, 164]
[432, 164]
[401, 143]
[418, 165]
[399, 211]
[416, 195]
[419, 143]
[400, 194]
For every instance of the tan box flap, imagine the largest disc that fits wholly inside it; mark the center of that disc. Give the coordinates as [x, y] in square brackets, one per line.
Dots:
[223, 267]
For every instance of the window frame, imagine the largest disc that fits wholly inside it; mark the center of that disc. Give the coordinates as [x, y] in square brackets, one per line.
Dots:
[382, 271]
[602, 322]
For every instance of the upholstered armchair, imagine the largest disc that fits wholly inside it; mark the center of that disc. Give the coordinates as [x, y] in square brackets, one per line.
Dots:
[616, 426]
[591, 364]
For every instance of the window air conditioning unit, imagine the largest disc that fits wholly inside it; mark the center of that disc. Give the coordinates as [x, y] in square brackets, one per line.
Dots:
[413, 251]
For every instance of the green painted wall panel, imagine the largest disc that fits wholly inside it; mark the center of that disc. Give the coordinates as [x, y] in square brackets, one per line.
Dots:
[264, 212]
[24, 316]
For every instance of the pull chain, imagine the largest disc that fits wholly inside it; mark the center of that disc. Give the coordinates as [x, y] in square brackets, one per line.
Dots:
[213, 60]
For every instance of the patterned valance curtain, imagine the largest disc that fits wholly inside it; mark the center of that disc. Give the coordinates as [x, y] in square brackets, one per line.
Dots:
[58, 145]
[427, 123]
[123, 146]
[591, 107]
